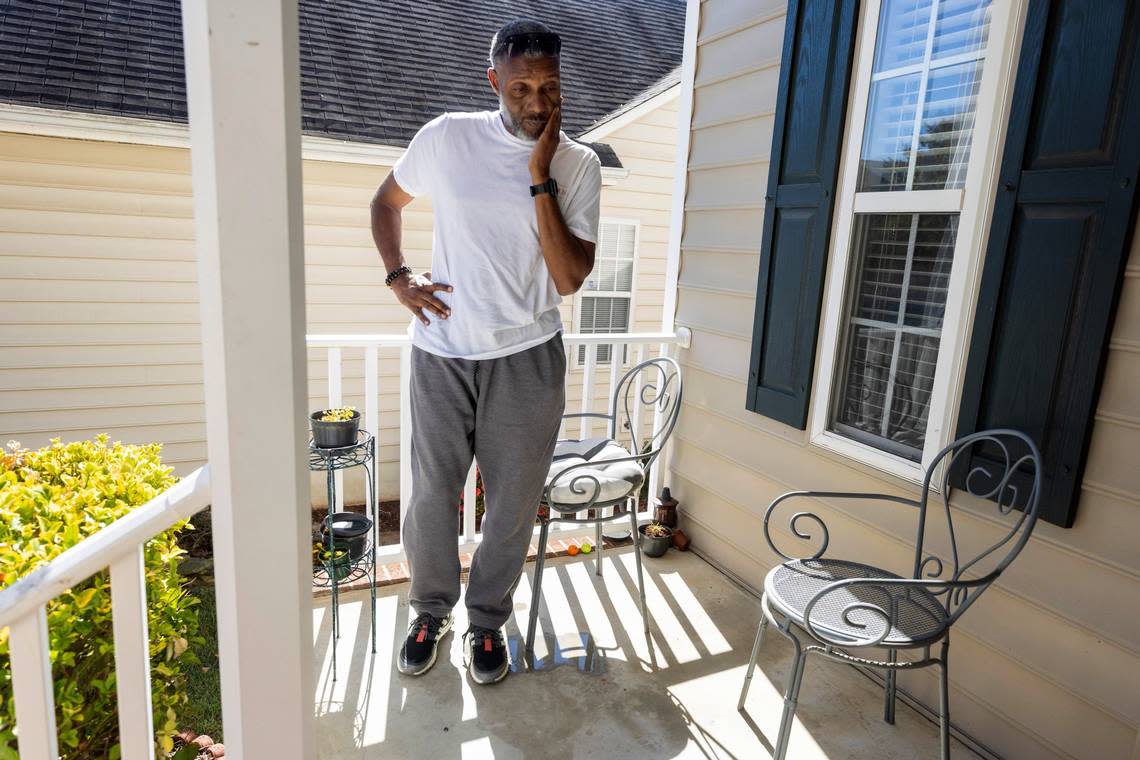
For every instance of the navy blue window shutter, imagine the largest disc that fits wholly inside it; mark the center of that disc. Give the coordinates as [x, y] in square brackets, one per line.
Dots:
[1061, 228]
[814, 72]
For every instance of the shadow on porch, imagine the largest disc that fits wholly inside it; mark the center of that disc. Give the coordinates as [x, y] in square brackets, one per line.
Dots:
[601, 689]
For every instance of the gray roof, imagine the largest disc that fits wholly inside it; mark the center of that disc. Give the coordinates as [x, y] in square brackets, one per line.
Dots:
[371, 70]
[665, 83]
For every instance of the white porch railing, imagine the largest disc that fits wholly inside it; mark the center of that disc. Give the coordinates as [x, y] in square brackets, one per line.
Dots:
[626, 350]
[23, 607]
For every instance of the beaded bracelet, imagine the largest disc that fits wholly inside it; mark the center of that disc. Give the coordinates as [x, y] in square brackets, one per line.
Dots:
[396, 273]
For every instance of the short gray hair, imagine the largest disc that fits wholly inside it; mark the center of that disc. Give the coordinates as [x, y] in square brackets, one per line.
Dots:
[518, 26]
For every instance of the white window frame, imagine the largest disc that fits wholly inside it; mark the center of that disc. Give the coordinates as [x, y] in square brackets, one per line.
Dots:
[632, 294]
[973, 203]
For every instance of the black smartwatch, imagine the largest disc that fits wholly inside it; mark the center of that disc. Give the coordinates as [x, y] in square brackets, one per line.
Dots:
[549, 186]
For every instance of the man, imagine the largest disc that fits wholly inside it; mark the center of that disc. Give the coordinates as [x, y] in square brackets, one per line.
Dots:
[516, 217]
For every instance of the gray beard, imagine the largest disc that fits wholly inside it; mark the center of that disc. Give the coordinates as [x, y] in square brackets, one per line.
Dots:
[512, 126]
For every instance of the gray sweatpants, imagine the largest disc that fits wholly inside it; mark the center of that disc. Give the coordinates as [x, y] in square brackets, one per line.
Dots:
[506, 412]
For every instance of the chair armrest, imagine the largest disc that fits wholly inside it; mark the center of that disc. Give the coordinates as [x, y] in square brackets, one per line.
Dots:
[797, 517]
[955, 591]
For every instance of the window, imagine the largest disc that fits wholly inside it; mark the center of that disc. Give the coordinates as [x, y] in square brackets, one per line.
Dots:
[606, 297]
[893, 326]
[916, 173]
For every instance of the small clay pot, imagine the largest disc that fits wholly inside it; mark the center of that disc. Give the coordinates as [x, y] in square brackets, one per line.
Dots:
[680, 540]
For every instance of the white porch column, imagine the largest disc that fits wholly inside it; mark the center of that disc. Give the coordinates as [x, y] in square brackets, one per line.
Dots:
[242, 75]
[681, 164]
[677, 215]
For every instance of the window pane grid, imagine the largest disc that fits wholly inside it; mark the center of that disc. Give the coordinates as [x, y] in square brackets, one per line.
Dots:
[895, 318]
[603, 314]
[921, 107]
[605, 308]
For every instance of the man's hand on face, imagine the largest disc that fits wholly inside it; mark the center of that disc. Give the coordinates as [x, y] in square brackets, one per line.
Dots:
[415, 292]
[543, 152]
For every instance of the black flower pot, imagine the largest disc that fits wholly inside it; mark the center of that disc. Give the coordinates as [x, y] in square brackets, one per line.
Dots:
[350, 529]
[654, 546]
[334, 435]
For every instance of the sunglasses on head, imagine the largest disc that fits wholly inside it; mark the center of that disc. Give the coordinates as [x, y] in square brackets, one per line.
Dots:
[535, 43]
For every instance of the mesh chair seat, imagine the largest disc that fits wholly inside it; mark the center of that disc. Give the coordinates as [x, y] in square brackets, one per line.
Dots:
[918, 618]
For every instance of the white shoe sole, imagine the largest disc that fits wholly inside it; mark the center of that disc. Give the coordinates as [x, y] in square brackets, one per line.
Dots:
[496, 679]
[403, 667]
[483, 680]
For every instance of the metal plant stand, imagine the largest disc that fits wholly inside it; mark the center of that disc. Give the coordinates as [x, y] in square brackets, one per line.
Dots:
[325, 573]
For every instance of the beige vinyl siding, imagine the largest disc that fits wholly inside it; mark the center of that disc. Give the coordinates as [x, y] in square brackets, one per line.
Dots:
[100, 328]
[1046, 664]
[98, 288]
[647, 147]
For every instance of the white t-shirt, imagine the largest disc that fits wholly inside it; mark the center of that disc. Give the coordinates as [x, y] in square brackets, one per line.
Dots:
[485, 241]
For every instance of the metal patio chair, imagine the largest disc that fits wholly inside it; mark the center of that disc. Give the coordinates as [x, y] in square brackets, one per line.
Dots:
[598, 473]
[843, 605]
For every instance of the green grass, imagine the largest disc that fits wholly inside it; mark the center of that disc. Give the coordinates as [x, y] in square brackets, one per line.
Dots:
[203, 714]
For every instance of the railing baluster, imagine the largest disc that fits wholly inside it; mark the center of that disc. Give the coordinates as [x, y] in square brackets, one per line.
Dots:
[571, 357]
[132, 656]
[635, 399]
[32, 685]
[588, 388]
[585, 426]
[615, 362]
[469, 505]
[655, 470]
[335, 401]
[372, 418]
[405, 434]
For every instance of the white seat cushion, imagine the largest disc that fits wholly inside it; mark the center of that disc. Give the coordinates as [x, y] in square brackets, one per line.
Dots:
[616, 479]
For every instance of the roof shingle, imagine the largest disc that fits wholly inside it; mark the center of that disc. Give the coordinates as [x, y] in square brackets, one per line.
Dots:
[371, 70]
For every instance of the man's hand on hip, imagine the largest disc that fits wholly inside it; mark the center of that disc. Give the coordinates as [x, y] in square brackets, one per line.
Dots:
[415, 291]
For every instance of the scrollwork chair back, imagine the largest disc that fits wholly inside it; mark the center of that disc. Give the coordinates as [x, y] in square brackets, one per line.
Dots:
[654, 385]
[1002, 477]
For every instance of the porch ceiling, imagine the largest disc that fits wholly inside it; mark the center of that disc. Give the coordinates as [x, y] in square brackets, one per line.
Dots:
[602, 693]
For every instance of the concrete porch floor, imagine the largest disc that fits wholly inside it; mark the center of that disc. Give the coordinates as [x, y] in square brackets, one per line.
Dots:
[599, 691]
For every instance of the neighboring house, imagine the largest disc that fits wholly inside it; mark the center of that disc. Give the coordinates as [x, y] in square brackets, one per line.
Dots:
[970, 267]
[101, 330]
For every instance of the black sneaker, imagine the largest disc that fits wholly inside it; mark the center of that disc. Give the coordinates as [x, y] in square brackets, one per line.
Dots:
[485, 653]
[417, 655]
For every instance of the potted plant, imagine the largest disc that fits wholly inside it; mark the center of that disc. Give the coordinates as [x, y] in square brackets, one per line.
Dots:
[336, 561]
[334, 428]
[655, 538]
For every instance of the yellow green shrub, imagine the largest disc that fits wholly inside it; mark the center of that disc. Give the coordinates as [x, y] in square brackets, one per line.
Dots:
[50, 500]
